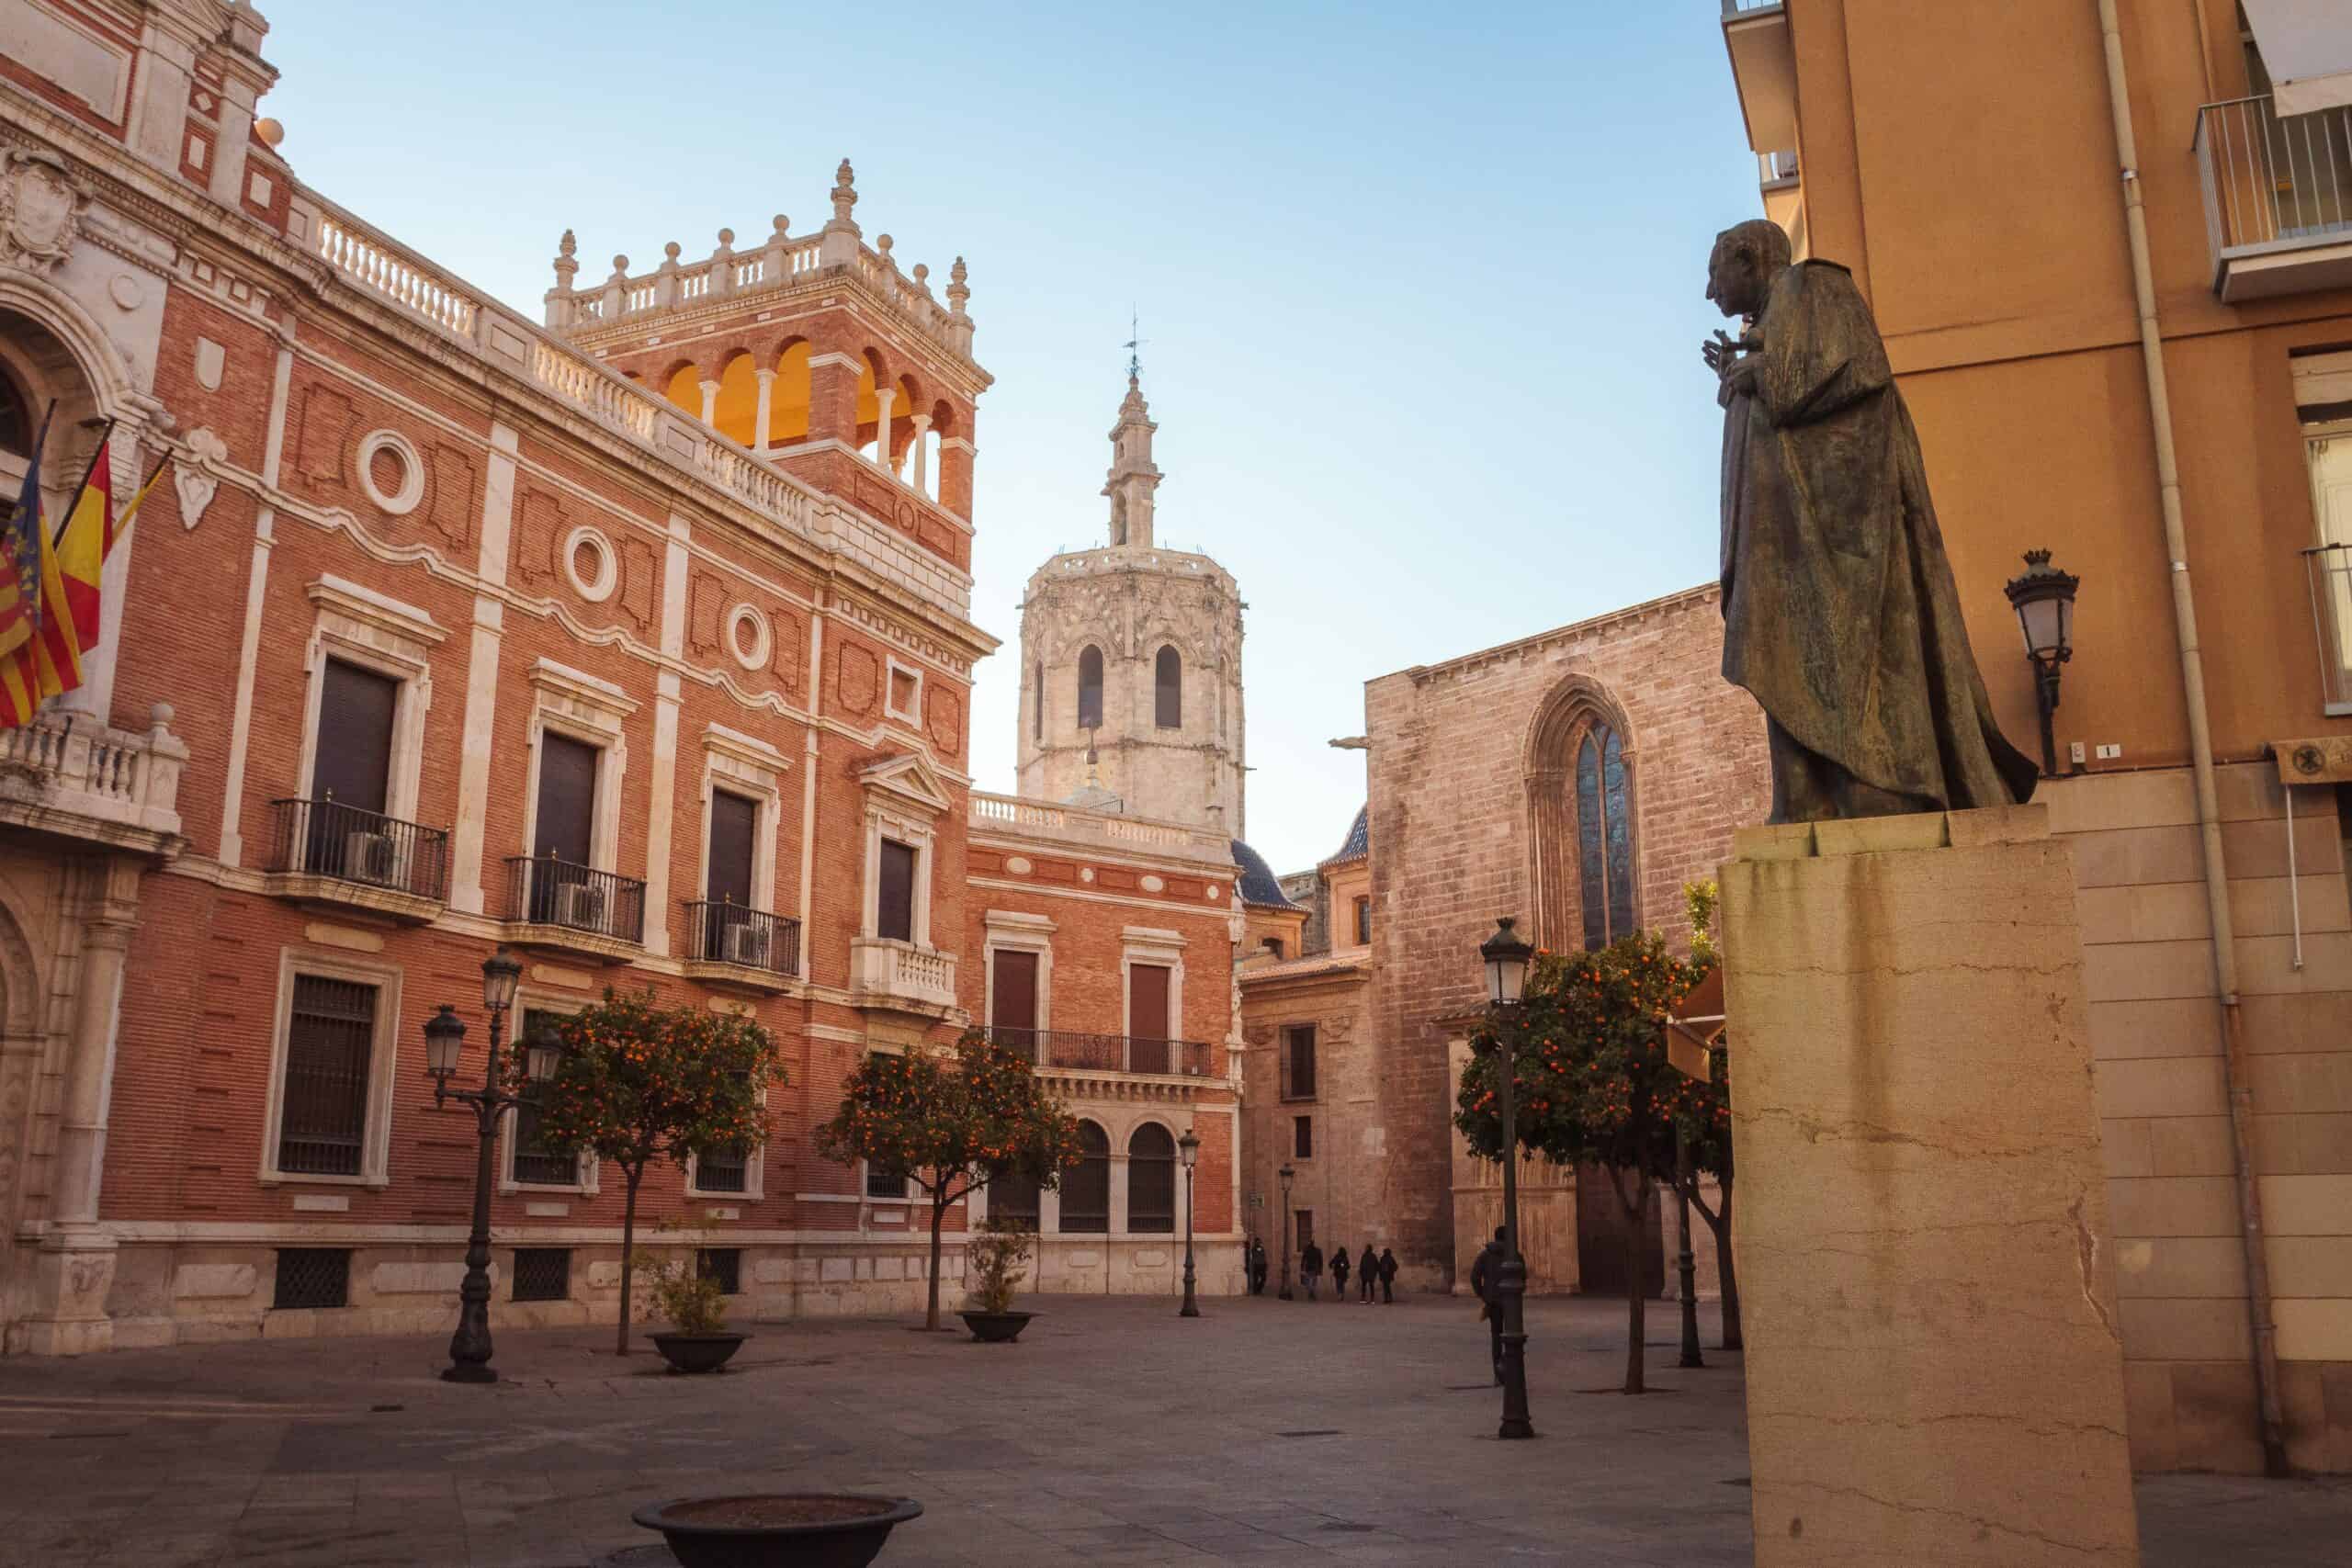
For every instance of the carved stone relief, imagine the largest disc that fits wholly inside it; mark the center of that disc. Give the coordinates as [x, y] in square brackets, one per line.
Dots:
[40, 210]
[211, 359]
[194, 486]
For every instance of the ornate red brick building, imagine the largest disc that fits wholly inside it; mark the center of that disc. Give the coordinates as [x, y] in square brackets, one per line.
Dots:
[639, 641]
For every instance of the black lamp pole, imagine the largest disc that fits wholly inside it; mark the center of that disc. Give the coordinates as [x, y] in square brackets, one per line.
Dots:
[1505, 957]
[445, 1035]
[2044, 598]
[1286, 1174]
[1188, 1147]
[1685, 1265]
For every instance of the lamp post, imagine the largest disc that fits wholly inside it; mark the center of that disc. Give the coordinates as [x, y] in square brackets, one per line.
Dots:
[1686, 1266]
[1286, 1174]
[1505, 957]
[1188, 1149]
[445, 1037]
[2044, 600]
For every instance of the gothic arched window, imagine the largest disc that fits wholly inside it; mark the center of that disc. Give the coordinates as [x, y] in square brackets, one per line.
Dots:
[1604, 812]
[1168, 690]
[1090, 689]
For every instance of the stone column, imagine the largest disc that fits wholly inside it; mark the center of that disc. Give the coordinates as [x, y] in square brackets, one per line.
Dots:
[955, 476]
[918, 468]
[760, 419]
[709, 402]
[883, 396]
[1934, 1373]
[75, 1265]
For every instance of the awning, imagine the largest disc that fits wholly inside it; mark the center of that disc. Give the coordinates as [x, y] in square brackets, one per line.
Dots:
[2307, 48]
[1696, 1023]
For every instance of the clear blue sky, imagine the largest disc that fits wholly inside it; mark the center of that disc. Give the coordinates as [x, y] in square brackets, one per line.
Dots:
[1421, 283]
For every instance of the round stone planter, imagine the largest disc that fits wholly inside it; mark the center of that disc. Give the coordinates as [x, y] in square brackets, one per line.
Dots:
[697, 1352]
[785, 1529]
[996, 1328]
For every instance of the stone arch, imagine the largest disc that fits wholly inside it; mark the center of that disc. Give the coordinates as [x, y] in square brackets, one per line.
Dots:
[1576, 707]
[1150, 1148]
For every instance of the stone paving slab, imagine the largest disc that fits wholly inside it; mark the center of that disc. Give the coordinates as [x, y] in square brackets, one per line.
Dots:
[1114, 1433]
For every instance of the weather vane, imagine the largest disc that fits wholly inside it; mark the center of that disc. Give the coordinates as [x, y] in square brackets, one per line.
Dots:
[1134, 346]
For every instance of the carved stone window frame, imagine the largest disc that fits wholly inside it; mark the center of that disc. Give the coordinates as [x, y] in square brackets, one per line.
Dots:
[405, 500]
[905, 799]
[1152, 946]
[1014, 930]
[383, 1053]
[575, 704]
[357, 626]
[744, 765]
[528, 1001]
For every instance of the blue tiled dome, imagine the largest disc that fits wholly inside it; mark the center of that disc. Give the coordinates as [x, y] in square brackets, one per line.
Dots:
[1257, 882]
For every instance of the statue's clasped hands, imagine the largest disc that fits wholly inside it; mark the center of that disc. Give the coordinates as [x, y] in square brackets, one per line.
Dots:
[1732, 359]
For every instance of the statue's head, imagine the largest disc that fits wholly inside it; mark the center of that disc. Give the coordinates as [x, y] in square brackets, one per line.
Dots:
[1746, 259]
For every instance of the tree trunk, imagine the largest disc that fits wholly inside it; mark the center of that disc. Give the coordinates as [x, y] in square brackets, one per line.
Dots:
[1722, 1227]
[628, 1252]
[938, 1217]
[1636, 1273]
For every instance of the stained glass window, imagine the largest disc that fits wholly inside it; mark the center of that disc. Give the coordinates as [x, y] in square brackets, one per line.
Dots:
[1604, 837]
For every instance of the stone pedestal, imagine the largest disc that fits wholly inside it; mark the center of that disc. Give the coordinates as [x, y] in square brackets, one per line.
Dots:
[73, 1270]
[1934, 1373]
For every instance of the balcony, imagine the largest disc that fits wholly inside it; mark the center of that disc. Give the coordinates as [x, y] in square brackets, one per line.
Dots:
[1764, 69]
[2327, 571]
[1108, 1052]
[901, 977]
[556, 905]
[71, 777]
[2278, 199]
[340, 856]
[745, 948]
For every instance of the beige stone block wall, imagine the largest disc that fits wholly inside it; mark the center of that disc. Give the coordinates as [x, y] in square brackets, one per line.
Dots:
[2156, 1029]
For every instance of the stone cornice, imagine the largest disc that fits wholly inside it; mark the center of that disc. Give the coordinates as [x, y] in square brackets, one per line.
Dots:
[1649, 609]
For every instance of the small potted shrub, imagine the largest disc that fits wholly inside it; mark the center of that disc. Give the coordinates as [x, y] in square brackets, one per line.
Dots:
[786, 1529]
[699, 1339]
[995, 1257]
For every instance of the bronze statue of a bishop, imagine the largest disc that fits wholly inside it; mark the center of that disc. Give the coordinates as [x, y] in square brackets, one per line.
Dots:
[1839, 613]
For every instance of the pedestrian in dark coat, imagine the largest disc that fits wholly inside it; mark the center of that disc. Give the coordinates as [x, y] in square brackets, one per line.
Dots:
[1387, 1278]
[1367, 1274]
[1310, 1267]
[1339, 1272]
[1483, 1279]
[1257, 1267]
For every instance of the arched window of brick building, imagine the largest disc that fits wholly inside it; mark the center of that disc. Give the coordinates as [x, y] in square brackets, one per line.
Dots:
[1168, 690]
[1090, 689]
[1086, 1190]
[1151, 1180]
[1582, 805]
[1604, 838]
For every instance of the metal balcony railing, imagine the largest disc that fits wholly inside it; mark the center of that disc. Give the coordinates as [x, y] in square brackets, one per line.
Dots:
[326, 838]
[2327, 570]
[735, 933]
[550, 892]
[1106, 1053]
[2273, 182]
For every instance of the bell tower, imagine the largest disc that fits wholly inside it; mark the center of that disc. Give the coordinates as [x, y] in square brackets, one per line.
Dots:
[1133, 652]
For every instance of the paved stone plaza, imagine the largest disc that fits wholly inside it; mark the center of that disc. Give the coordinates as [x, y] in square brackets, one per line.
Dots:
[1114, 1433]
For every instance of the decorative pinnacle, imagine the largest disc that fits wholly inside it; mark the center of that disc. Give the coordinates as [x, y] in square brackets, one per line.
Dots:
[569, 244]
[670, 252]
[882, 244]
[620, 267]
[958, 291]
[783, 225]
[922, 277]
[567, 264]
[726, 238]
[845, 191]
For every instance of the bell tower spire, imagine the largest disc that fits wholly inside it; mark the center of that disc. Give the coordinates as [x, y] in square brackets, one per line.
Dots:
[1133, 475]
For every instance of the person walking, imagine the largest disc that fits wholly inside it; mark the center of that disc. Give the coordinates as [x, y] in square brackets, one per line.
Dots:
[1387, 1278]
[1367, 1274]
[1339, 1272]
[1257, 1267]
[1311, 1269]
[1483, 1281]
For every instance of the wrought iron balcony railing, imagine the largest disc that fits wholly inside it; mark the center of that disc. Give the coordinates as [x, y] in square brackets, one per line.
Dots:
[2276, 190]
[326, 838]
[546, 891]
[2327, 571]
[1106, 1053]
[738, 934]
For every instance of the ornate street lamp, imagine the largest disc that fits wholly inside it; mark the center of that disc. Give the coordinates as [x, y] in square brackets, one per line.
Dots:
[1505, 957]
[2044, 601]
[1286, 1174]
[444, 1038]
[1188, 1149]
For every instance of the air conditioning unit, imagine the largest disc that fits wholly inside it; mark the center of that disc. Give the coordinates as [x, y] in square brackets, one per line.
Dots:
[745, 944]
[372, 857]
[580, 905]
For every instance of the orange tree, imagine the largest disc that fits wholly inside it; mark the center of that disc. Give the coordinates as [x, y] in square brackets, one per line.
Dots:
[951, 1127]
[640, 1082]
[1593, 1081]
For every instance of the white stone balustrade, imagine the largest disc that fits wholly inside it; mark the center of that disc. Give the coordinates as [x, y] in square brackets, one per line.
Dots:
[68, 774]
[898, 972]
[1101, 830]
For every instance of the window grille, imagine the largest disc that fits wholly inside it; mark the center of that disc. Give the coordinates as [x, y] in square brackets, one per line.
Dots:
[542, 1273]
[724, 1263]
[313, 1277]
[330, 1040]
[1013, 1200]
[722, 1170]
[1151, 1180]
[881, 1183]
[534, 1164]
[1086, 1189]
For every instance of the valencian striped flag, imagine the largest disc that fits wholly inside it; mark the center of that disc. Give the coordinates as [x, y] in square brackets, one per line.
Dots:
[84, 540]
[20, 553]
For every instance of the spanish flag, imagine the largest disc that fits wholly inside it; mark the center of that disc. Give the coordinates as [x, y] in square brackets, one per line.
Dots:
[87, 537]
[22, 546]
